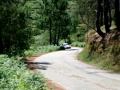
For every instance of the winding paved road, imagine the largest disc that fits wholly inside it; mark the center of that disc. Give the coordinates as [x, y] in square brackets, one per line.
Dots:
[62, 67]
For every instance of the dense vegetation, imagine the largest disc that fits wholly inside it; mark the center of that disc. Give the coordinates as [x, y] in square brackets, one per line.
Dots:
[15, 76]
[14, 34]
[103, 43]
[34, 27]
[21, 21]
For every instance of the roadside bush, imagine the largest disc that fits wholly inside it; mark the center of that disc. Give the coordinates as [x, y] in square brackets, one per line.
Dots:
[38, 50]
[40, 45]
[41, 39]
[15, 76]
[78, 44]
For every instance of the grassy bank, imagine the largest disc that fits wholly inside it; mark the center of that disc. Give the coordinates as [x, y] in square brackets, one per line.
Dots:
[105, 53]
[15, 76]
[99, 60]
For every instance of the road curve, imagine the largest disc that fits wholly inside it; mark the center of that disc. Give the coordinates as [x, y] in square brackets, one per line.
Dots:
[62, 67]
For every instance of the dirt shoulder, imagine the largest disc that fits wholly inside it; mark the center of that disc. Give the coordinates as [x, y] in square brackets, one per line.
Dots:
[51, 85]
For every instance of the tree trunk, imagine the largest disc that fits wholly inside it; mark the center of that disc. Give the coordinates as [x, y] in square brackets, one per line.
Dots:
[50, 31]
[107, 15]
[99, 12]
[58, 36]
[55, 37]
[1, 46]
[117, 14]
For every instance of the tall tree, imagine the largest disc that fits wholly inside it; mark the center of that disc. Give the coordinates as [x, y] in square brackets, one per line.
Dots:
[99, 17]
[87, 12]
[104, 15]
[103, 11]
[107, 15]
[57, 19]
[117, 14]
[48, 14]
[14, 35]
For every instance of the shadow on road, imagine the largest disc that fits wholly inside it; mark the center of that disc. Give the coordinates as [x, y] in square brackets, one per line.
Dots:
[71, 49]
[38, 65]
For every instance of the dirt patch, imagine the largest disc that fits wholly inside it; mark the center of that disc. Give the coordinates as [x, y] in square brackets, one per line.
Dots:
[29, 60]
[54, 86]
[32, 58]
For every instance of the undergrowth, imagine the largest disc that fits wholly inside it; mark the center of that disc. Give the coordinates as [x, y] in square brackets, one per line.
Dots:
[78, 44]
[40, 45]
[38, 50]
[104, 54]
[15, 76]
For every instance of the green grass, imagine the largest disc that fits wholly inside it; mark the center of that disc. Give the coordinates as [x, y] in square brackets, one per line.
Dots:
[40, 45]
[78, 44]
[104, 54]
[84, 56]
[15, 76]
[102, 61]
[38, 50]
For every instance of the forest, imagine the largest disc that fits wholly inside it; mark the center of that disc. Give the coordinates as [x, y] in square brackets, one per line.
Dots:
[34, 27]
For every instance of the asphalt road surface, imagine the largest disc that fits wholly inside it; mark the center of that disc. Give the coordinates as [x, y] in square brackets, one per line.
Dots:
[63, 68]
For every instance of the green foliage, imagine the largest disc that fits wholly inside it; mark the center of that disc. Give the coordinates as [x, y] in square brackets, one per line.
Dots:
[78, 44]
[80, 19]
[79, 35]
[87, 12]
[57, 20]
[15, 76]
[41, 40]
[73, 11]
[40, 50]
[35, 9]
[14, 35]
[40, 45]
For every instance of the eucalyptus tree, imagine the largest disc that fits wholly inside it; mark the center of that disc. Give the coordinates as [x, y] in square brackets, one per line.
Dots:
[57, 19]
[97, 13]
[48, 16]
[35, 10]
[73, 11]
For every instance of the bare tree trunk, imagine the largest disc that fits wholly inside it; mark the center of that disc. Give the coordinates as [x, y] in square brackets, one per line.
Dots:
[107, 15]
[99, 13]
[117, 14]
